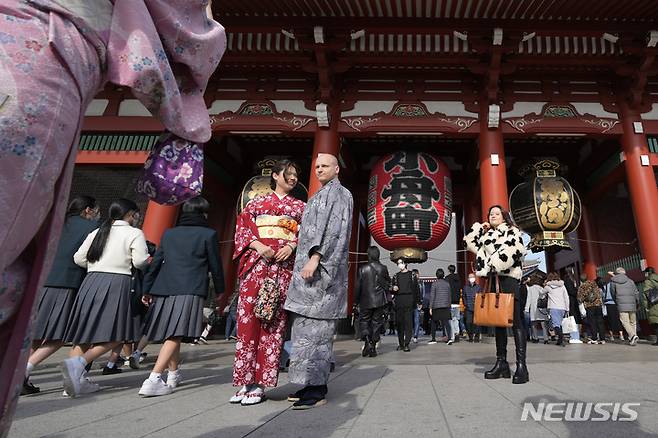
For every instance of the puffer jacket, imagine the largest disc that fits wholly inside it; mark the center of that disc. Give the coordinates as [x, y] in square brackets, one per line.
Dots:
[589, 294]
[625, 292]
[498, 250]
[651, 283]
[558, 298]
[440, 295]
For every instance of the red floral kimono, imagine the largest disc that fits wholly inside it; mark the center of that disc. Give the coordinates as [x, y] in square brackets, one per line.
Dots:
[273, 222]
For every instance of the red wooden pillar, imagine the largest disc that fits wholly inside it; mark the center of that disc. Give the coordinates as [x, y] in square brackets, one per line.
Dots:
[326, 141]
[587, 248]
[493, 177]
[157, 219]
[641, 185]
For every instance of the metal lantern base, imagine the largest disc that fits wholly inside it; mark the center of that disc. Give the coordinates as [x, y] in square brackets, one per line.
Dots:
[410, 255]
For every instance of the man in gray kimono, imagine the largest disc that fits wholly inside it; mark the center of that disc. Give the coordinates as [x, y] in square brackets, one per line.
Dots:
[317, 295]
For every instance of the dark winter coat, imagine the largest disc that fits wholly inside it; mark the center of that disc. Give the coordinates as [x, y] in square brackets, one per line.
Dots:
[455, 287]
[65, 273]
[440, 295]
[182, 262]
[469, 292]
[372, 284]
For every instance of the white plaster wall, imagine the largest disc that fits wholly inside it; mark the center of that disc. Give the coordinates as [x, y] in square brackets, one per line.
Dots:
[97, 107]
[219, 106]
[653, 114]
[370, 107]
[593, 108]
[293, 106]
[522, 108]
[133, 107]
[448, 108]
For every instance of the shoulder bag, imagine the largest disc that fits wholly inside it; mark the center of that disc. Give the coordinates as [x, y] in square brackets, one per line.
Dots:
[493, 308]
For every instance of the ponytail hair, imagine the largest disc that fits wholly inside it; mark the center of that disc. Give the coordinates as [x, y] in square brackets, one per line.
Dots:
[80, 204]
[118, 209]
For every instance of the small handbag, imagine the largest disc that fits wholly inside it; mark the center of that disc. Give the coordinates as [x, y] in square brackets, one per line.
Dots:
[542, 301]
[267, 301]
[493, 308]
[569, 324]
[173, 172]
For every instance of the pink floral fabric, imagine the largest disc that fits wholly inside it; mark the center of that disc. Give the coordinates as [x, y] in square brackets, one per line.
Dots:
[54, 57]
[258, 348]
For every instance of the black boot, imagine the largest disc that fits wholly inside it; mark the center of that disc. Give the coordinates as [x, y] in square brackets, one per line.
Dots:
[520, 342]
[501, 368]
[560, 337]
[373, 348]
[366, 347]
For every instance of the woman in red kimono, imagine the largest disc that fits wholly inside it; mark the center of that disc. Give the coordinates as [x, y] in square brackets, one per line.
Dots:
[265, 240]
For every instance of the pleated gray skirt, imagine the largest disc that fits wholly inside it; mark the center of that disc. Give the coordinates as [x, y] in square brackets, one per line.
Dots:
[53, 313]
[174, 316]
[102, 311]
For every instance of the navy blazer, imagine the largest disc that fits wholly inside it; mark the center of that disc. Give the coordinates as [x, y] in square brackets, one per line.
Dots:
[182, 262]
[65, 273]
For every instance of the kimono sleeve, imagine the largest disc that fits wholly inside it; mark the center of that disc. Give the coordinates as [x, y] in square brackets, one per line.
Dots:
[511, 250]
[333, 226]
[246, 231]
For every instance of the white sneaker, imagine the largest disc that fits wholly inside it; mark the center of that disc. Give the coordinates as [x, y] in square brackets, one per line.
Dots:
[575, 341]
[72, 370]
[450, 341]
[174, 379]
[414, 340]
[87, 386]
[238, 396]
[634, 340]
[155, 388]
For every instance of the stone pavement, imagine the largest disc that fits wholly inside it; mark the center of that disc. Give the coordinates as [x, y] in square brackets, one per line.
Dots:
[435, 390]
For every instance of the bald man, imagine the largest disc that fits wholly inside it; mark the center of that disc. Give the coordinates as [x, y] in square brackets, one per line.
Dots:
[317, 296]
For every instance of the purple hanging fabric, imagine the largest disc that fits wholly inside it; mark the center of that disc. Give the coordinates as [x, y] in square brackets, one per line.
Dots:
[173, 172]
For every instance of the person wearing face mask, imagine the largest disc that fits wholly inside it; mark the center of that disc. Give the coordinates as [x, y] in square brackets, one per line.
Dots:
[266, 237]
[102, 315]
[61, 286]
[407, 296]
[499, 250]
[470, 289]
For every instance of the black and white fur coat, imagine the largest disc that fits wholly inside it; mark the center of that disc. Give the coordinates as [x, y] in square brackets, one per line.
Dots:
[499, 250]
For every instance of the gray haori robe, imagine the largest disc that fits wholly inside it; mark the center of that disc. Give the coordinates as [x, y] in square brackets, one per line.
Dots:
[325, 229]
[312, 350]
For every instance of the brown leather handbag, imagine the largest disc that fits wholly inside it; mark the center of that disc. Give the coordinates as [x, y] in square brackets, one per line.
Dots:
[493, 308]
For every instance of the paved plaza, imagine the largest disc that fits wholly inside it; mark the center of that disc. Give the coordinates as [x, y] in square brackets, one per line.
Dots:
[435, 390]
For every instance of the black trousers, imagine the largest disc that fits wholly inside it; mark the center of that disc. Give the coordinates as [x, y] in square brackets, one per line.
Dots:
[371, 322]
[404, 317]
[471, 328]
[511, 285]
[595, 320]
[426, 320]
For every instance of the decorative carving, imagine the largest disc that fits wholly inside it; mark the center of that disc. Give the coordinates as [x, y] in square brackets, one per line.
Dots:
[410, 110]
[520, 123]
[297, 122]
[357, 122]
[559, 111]
[461, 123]
[604, 124]
[256, 109]
[221, 118]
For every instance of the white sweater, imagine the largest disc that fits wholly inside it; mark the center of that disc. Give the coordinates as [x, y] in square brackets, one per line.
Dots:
[125, 247]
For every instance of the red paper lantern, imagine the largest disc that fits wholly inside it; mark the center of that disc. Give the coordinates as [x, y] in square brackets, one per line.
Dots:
[409, 204]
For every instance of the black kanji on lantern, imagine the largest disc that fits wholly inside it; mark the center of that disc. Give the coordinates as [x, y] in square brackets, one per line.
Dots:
[409, 210]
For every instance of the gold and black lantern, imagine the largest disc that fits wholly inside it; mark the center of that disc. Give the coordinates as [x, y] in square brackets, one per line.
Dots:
[545, 206]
